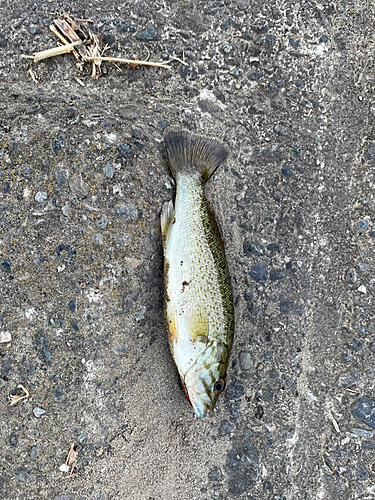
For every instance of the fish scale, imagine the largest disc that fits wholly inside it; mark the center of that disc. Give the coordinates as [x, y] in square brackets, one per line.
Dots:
[198, 297]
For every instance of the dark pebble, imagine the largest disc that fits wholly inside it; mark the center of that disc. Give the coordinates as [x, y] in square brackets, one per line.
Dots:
[66, 253]
[361, 225]
[6, 366]
[22, 476]
[163, 124]
[235, 390]
[184, 70]
[252, 248]
[57, 144]
[74, 326]
[259, 412]
[72, 306]
[242, 467]
[294, 41]
[356, 345]
[225, 428]
[215, 475]
[277, 274]
[70, 112]
[351, 276]
[235, 411]
[255, 76]
[289, 433]
[61, 176]
[323, 39]
[65, 496]
[127, 212]
[125, 150]
[13, 439]
[368, 445]
[273, 247]
[34, 453]
[58, 393]
[362, 474]
[268, 488]
[6, 187]
[286, 171]
[372, 234]
[148, 34]
[5, 265]
[365, 411]
[259, 273]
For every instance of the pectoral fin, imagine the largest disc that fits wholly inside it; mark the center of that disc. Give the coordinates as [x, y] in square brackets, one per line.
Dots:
[166, 218]
[199, 327]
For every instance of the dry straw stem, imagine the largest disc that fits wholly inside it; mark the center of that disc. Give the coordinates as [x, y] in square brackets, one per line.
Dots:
[55, 51]
[85, 45]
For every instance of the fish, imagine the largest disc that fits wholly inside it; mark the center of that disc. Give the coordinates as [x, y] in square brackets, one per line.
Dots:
[198, 298]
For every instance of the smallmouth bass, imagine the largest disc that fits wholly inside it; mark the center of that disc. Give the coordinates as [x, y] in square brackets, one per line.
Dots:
[198, 299]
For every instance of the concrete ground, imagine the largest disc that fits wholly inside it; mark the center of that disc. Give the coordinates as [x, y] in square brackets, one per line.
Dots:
[288, 85]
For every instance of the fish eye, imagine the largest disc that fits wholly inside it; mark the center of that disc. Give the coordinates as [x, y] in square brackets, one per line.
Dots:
[219, 386]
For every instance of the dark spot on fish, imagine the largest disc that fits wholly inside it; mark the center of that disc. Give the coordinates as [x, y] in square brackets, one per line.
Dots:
[174, 220]
[185, 283]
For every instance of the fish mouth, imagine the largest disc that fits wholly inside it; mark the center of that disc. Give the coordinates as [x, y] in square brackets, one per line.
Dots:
[200, 403]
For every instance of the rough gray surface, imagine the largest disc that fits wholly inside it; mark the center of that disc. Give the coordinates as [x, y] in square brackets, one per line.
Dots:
[289, 86]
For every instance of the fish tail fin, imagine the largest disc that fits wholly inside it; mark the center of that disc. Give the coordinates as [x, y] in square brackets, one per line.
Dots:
[191, 153]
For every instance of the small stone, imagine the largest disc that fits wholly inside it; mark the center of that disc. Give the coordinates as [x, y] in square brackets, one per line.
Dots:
[347, 379]
[66, 253]
[286, 171]
[13, 439]
[22, 476]
[5, 336]
[252, 248]
[365, 411]
[38, 412]
[128, 212]
[78, 186]
[362, 289]
[356, 345]
[140, 313]
[225, 428]
[58, 393]
[361, 225]
[5, 265]
[227, 48]
[362, 474]
[74, 326]
[72, 306]
[323, 39]
[215, 475]
[65, 496]
[64, 468]
[148, 34]
[34, 453]
[61, 176]
[259, 273]
[120, 349]
[41, 197]
[277, 274]
[163, 124]
[255, 76]
[235, 390]
[109, 171]
[58, 143]
[351, 276]
[82, 437]
[245, 361]
[294, 41]
[360, 432]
